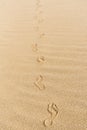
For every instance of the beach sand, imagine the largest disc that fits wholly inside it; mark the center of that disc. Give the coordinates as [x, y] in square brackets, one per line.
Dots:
[43, 65]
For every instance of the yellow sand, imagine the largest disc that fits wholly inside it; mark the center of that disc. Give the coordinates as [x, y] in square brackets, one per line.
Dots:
[53, 57]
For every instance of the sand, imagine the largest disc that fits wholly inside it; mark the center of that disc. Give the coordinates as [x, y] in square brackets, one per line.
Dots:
[43, 65]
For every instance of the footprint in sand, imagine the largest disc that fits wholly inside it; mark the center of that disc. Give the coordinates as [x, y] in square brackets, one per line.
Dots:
[42, 35]
[53, 111]
[38, 3]
[39, 12]
[37, 28]
[39, 83]
[35, 47]
[41, 59]
[40, 20]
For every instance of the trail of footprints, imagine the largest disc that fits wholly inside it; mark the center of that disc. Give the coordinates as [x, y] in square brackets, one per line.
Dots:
[52, 108]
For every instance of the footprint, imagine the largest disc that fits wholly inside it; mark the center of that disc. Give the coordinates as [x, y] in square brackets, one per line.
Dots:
[37, 28]
[40, 12]
[53, 111]
[41, 59]
[42, 35]
[35, 47]
[38, 3]
[40, 21]
[39, 83]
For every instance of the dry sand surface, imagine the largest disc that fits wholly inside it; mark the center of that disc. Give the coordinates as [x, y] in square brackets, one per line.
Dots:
[43, 65]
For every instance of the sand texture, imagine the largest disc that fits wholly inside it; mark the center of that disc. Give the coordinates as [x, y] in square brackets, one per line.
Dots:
[43, 65]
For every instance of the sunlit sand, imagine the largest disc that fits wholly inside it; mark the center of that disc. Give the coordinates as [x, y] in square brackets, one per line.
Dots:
[43, 65]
